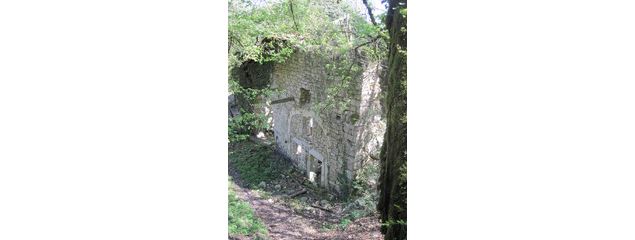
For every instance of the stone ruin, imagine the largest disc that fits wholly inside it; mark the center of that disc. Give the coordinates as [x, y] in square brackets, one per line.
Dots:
[330, 145]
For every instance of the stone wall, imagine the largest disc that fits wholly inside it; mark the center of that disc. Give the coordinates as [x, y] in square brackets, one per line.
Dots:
[328, 144]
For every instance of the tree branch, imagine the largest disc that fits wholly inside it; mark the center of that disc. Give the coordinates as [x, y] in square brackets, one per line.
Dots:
[293, 15]
[370, 12]
[364, 44]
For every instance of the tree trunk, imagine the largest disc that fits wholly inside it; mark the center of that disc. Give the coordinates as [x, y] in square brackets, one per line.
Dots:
[392, 180]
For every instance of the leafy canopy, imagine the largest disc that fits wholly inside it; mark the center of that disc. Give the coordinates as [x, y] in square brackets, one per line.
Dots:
[333, 27]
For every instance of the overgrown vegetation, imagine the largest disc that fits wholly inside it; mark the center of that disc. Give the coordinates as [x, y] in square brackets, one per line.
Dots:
[254, 162]
[330, 26]
[262, 171]
[244, 124]
[363, 199]
[242, 219]
[267, 32]
[263, 33]
[247, 121]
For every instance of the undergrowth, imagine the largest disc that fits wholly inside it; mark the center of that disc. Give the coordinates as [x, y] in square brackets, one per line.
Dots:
[363, 201]
[242, 219]
[255, 163]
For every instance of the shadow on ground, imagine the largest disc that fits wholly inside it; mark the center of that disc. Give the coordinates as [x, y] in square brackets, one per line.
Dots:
[289, 205]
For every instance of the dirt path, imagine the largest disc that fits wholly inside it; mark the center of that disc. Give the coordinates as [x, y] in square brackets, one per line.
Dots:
[285, 222]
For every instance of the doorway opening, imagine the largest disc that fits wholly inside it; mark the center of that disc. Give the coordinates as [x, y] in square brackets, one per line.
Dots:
[314, 170]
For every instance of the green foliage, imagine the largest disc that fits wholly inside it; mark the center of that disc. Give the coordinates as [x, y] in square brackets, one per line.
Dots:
[340, 73]
[269, 32]
[242, 219]
[344, 223]
[254, 162]
[250, 93]
[393, 222]
[249, 24]
[334, 28]
[241, 126]
[327, 227]
[404, 12]
[363, 200]
[331, 30]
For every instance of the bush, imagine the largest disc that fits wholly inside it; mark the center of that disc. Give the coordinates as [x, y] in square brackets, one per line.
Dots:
[243, 125]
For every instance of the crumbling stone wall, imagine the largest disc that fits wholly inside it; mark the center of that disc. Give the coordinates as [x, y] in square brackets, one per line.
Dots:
[252, 75]
[328, 144]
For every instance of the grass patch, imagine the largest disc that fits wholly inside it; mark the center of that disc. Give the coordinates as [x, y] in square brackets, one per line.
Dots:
[255, 163]
[344, 223]
[242, 219]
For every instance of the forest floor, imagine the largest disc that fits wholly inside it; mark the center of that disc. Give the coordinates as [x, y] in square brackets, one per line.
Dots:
[265, 181]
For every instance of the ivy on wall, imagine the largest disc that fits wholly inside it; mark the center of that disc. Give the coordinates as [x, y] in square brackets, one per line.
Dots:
[269, 32]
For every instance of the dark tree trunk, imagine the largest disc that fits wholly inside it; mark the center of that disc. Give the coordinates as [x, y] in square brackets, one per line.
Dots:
[392, 180]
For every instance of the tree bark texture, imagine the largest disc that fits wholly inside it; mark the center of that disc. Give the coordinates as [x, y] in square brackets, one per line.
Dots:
[392, 180]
